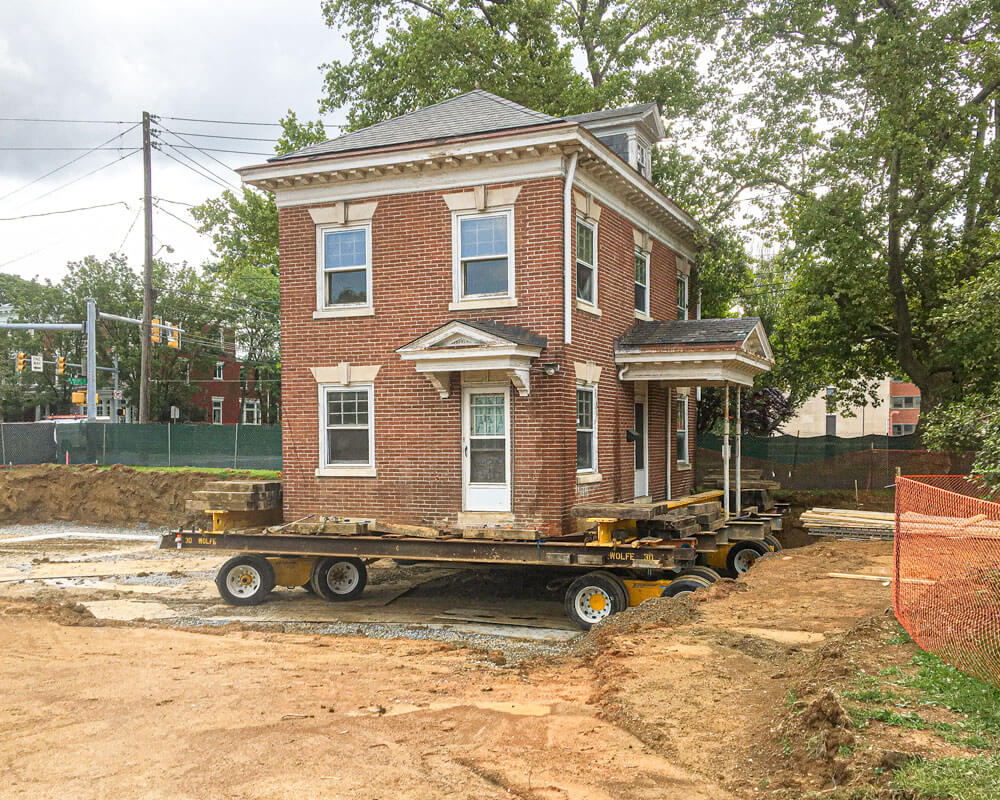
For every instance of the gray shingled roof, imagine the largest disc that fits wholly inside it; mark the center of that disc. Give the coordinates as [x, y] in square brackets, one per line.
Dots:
[464, 115]
[689, 331]
[508, 332]
[613, 113]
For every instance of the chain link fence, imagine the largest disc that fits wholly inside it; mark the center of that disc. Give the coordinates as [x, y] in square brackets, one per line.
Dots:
[946, 585]
[155, 445]
[831, 462]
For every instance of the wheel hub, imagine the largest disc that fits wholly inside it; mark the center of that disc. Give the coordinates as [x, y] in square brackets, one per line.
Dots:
[342, 578]
[243, 580]
[593, 604]
[744, 560]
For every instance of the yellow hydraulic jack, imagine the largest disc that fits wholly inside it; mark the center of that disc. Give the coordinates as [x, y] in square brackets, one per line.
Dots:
[232, 520]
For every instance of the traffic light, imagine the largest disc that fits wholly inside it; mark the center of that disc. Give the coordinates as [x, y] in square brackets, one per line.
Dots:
[174, 339]
[60, 365]
[20, 362]
[155, 332]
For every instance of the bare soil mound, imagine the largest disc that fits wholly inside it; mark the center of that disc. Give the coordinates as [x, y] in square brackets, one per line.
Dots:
[115, 495]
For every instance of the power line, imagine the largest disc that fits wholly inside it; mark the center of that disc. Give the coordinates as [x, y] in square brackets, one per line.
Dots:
[170, 214]
[135, 219]
[199, 164]
[86, 175]
[221, 121]
[68, 163]
[195, 171]
[195, 147]
[78, 121]
[175, 202]
[220, 136]
[63, 149]
[65, 211]
[207, 150]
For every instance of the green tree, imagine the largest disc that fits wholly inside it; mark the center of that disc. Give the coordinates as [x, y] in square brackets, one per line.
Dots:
[873, 124]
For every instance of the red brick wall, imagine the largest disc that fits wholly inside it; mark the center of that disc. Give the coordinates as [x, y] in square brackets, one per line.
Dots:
[418, 434]
[228, 389]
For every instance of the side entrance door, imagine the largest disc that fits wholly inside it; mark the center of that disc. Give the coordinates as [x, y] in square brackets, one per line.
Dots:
[641, 449]
[486, 448]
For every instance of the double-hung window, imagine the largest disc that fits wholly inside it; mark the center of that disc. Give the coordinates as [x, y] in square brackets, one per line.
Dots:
[642, 282]
[586, 262]
[345, 274]
[219, 366]
[348, 432]
[682, 430]
[586, 429]
[217, 410]
[484, 255]
[682, 296]
[251, 412]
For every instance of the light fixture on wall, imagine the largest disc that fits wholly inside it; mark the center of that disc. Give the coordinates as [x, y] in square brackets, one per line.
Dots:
[550, 368]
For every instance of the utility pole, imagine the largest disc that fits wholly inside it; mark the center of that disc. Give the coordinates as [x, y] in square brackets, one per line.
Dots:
[146, 328]
[91, 359]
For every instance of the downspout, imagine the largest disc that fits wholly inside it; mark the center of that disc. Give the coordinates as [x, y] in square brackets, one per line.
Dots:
[567, 247]
[670, 440]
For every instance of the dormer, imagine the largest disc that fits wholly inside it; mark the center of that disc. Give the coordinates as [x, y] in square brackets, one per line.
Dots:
[629, 132]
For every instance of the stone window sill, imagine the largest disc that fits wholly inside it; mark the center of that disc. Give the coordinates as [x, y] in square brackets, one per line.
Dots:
[346, 472]
[585, 478]
[643, 316]
[683, 466]
[483, 302]
[588, 308]
[337, 313]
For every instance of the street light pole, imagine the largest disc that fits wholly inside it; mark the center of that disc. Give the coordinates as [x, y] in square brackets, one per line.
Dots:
[146, 328]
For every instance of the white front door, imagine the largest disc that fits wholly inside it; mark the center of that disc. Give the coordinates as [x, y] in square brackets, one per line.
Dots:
[486, 448]
[641, 448]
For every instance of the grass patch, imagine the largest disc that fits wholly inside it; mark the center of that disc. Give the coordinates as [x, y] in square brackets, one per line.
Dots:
[955, 778]
[942, 685]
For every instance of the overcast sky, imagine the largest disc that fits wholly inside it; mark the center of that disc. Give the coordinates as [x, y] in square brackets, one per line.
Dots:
[243, 60]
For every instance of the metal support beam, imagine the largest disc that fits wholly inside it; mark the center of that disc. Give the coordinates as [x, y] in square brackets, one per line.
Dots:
[41, 326]
[725, 452]
[739, 451]
[91, 359]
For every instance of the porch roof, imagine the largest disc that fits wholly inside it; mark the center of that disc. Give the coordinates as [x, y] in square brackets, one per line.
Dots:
[474, 345]
[695, 352]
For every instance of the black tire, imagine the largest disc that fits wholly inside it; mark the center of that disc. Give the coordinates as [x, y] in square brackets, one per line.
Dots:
[308, 587]
[245, 580]
[705, 572]
[338, 579]
[594, 597]
[682, 587]
[775, 545]
[742, 556]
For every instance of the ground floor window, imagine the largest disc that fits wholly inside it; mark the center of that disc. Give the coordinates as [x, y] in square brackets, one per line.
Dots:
[216, 410]
[682, 430]
[586, 437]
[900, 430]
[251, 412]
[348, 431]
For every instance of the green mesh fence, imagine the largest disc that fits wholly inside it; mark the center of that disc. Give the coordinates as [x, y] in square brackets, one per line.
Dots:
[220, 446]
[831, 462]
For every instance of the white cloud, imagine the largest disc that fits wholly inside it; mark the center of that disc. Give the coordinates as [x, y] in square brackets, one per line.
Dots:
[225, 59]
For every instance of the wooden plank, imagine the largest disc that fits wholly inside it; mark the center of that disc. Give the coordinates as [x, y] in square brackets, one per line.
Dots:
[618, 510]
[499, 534]
[421, 531]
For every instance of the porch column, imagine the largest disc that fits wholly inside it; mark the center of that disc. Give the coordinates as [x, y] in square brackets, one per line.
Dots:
[671, 440]
[739, 451]
[725, 453]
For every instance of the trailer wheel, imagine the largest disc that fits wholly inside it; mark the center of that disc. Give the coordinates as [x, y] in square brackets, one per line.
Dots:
[744, 555]
[707, 573]
[684, 586]
[775, 545]
[245, 580]
[339, 578]
[308, 587]
[594, 597]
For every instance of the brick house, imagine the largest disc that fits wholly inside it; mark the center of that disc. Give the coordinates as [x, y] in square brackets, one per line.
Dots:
[487, 318]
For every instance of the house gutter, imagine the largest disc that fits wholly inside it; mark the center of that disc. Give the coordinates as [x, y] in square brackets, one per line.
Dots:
[567, 247]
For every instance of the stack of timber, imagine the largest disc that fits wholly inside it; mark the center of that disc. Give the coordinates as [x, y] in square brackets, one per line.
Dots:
[667, 519]
[756, 491]
[849, 523]
[237, 496]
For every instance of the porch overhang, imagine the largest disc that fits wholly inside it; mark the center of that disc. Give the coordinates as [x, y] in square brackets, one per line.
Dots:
[695, 352]
[474, 346]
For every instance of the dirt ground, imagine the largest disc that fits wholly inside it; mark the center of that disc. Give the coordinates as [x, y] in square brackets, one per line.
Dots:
[122, 675]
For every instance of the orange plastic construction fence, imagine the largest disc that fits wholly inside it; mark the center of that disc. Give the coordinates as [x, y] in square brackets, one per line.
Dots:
[946, 587]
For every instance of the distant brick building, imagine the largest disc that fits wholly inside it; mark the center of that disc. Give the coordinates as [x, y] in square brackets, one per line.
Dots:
[487, 317]
[895, 415]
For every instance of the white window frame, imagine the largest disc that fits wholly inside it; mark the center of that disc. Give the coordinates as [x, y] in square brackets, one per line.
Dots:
[592, 226]
[218, 374]
[683, 427]
[640, 253]
[254, 404]
[342, 309]
[346, 469]
[221, 405]
[592, 469]
[498, 299]
[683, 307]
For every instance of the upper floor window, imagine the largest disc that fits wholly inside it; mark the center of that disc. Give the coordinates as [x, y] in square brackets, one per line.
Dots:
[484, 255]
[642, 282]
[906, 401]
[642, 162]
[682, 296]
[219, 366]
[586, 262]
[344, 279]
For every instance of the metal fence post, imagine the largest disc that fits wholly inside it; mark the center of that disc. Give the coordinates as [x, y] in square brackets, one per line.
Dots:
[236, 444]
[3, 444]
[169, 456]
[104, 444]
